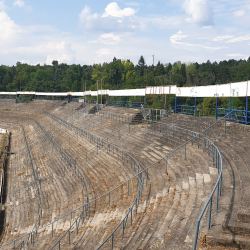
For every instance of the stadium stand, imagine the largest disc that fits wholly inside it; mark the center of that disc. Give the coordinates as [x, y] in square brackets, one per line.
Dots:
[110, 180]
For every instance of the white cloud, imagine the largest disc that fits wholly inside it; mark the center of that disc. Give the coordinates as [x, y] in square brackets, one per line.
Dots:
[114, 10]
[108, 23]
[19, 3]
[221, 38]
[87, 20]
[64, 58]
[174, 39]
[3, 7]
[201, 12]
[239, 13]
[104, 52]
[108, 39]
[8, 29]
[235, 55]
[239, 39]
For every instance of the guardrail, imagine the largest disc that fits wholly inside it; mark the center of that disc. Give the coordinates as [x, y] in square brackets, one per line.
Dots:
[31, 235]
[35, 177]
[114, 116]
[39, 189]
[183, 133]
[101, 144]
[216, 157]
[212, 151]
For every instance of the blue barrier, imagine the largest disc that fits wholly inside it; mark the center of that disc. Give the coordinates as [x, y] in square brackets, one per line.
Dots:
[126, 104]
[235, 115]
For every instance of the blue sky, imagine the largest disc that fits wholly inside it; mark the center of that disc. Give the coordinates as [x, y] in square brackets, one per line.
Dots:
[88, 32]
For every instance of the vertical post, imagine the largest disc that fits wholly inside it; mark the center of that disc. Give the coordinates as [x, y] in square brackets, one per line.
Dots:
[216, 112]
[230, 99]
[246, 109]
[127, 101]
[209, 215]
[225, 125]
[175, 104]
[135, 102]
[195, 106]
[145, 101]
[196, 234]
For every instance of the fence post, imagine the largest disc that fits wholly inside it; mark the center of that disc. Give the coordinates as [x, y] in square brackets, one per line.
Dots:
[225, 125]
[209, 215]
[175, 104]
[196, 234]
[246, 108]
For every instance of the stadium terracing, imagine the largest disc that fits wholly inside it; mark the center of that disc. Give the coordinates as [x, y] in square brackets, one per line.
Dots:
[86, 176]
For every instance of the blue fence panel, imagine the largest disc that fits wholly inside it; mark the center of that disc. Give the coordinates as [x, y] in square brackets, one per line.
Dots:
[237, 115]
[185, 109]
[126, 104]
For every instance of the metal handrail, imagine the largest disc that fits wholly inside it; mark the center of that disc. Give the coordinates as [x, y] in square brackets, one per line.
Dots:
[34, 172]
[218, 182]
[86, 204]
[108, 193]
[219, 165]
[40, 214]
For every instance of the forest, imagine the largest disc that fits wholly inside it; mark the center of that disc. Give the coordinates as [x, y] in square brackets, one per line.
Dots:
[121, 74]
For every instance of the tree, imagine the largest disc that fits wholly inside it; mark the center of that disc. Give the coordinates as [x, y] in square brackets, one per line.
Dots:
[141, 64]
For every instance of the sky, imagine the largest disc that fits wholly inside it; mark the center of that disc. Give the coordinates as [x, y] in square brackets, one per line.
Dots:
[88, 32]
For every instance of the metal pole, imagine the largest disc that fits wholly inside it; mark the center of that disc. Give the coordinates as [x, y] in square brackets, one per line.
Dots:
[196, 234]
[195, 106]
[209, 215]
[216, 112]
[175, 104]
[230, 99]
[225, 125]
[246, 109]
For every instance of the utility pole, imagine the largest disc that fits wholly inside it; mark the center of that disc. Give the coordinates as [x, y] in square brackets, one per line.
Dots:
[153, 60]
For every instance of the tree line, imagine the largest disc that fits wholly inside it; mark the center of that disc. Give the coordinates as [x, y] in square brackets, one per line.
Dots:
[119, 74]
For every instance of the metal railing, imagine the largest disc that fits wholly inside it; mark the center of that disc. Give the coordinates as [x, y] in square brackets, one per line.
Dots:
[31, 235]
[212, 151]
[37, 223]
[116, 117]
[100, 144]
